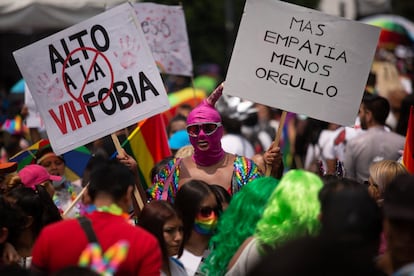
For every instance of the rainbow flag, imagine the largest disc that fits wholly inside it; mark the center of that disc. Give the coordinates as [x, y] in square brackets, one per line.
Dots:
[15, 126]
[148, 144]
[408, 157]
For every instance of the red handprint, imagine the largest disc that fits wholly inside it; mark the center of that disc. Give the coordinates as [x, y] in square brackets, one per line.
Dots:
[128, 57]
[49, 86]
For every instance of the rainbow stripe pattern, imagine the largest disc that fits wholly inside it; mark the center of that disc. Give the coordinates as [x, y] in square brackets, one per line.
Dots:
[108, 263]
[148, 144]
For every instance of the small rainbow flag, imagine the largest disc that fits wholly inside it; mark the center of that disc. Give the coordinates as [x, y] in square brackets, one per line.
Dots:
[15, 126]
[148, 144]
[408, 157]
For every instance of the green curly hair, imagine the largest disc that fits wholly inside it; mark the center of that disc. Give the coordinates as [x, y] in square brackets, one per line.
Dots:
[237, 223]
[292, 210]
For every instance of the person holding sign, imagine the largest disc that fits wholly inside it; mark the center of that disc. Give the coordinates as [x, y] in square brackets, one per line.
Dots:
[209, 162]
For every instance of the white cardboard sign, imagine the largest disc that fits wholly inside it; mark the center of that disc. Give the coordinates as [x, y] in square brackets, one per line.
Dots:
[93, 78]
[301, 60]
[165, 29]
[33, 119]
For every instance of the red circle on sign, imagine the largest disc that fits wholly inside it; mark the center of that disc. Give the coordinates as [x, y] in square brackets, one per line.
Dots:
[97, 53]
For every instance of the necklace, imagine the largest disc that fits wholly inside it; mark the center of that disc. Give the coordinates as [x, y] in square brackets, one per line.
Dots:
[112, 209]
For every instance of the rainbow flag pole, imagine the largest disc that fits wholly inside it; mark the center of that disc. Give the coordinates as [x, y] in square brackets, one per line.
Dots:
[138, 194]
[148, 144]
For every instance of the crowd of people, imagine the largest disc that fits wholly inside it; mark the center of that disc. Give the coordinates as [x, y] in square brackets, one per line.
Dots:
[327, 199]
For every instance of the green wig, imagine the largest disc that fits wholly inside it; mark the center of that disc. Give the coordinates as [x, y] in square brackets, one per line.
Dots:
[237, 223]
[292, 210]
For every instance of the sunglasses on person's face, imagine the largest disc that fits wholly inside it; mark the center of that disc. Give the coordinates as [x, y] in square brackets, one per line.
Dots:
[207, 211]
[208, 128]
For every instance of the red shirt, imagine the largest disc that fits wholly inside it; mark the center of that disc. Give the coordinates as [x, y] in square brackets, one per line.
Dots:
[60, 244]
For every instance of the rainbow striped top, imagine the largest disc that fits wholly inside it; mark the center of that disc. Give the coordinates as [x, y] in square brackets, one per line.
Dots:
[244, 170]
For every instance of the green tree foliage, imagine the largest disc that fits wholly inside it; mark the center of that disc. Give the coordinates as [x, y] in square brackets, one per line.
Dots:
[212, 27]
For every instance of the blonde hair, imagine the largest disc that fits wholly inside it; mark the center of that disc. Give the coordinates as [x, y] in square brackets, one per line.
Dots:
[11, 180]
[383, 172]
[184, 151]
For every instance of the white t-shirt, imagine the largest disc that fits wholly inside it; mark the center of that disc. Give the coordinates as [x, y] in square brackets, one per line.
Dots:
[342, 135]
[190, 262]
[323, 150]
[331, 144]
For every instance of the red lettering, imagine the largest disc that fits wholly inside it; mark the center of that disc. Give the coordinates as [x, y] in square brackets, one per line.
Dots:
[76, 114]
[68, 112]
[60, 122]
[70, 117]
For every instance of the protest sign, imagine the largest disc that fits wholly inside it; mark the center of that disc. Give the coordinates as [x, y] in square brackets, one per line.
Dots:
[165, 30]
[93, 78]
[33, 119]
[301, 60]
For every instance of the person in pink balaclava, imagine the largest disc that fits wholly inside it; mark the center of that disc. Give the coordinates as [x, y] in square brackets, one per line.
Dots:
[209, 162]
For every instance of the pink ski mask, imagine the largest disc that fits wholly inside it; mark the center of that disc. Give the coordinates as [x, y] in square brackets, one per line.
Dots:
[209, 134]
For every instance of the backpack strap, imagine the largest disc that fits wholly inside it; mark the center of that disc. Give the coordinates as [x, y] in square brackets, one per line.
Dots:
[168, 182]
[86, 225]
